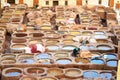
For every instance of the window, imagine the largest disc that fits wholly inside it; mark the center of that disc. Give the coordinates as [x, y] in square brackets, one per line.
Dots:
[47, 2]
[100, 1]
[66, 3]
[55, 3]
[11, 1]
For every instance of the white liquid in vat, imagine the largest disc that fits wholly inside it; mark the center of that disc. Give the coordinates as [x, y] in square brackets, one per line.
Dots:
[52, 47]
[104, 48]
[63, 61]
[87, 47]
[68, 47]
[43, 56]
[100, 37]
[99, 32]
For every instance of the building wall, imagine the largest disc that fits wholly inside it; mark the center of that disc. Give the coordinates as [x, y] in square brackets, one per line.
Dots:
[61, 2]
[95, 2]
[28, 2]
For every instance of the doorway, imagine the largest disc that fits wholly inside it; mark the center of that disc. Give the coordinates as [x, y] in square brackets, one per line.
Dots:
[11, 1]
[55, 3]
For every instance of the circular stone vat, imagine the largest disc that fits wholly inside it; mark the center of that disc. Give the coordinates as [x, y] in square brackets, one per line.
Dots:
[90, 74]
[63, 61]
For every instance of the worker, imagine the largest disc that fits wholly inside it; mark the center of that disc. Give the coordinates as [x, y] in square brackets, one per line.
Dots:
[84, 41]
[77, 19]
[75, 52]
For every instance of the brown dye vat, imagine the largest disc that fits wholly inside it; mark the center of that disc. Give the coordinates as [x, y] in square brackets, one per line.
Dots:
[19, 40]
[102, 40]
[3, 25]
[2, 37]
[35, 41]
[18, 45]
[87, 54]
[111, 16]
[92, 28]
[101, 13]
[28, 77]
[8, 11]
[7, 14]
[63, 32]
[18, 12]
[48, 78]
[57, 72]
[8, 61]
[1, 42]
[16, 20]
[48, 31]
[4, 20]
[12, 73]
[36, 35]
[81, 60]
[68, 36]
[104, 29]
[71, 79]
[20, 35]
[116, 29]
[52, 35]
[35, 71]
[68, 41]
[51, 41]
[73, 73]
[2, 33]
[61, 54]
[24, 55]
[85, 33]
[64, 28]
[118, 33]
[45, 61]
[18, 48]
[74, 32]
[8, 56]
[1, 49]
[31, 23]
[46, 27]
[118, 39]
[2, 30]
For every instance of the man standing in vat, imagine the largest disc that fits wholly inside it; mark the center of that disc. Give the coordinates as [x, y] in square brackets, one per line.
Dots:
[76, 52]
